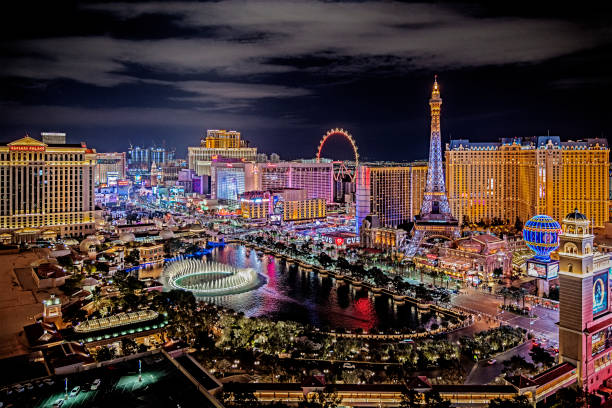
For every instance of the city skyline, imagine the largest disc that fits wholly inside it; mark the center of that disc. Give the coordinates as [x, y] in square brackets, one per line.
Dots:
[110, 74]
[305, 204]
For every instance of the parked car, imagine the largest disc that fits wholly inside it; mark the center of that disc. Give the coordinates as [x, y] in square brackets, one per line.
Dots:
[348, 365]
[19, 388]
[492, 361]
[58, 403]
[49, 381]
[75, 391]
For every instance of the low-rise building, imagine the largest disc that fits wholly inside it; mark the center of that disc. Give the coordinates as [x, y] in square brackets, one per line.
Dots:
[261, 205]
[48, 275]
[305, 210]
[151, 254]
[381, 238]
[477, 256]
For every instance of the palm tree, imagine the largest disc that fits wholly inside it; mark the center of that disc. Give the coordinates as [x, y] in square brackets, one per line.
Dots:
[516, 295]
[504, 292]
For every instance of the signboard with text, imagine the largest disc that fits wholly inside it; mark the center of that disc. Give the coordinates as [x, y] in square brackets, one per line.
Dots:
[26, 148]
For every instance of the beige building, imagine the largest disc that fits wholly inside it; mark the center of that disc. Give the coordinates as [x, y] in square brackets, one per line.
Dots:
[392, 193]
[381, 238]
[46, 186]
[218, 144]
[525, 177]
[151, 254]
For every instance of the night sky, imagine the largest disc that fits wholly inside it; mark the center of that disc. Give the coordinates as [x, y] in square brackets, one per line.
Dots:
[284, 72]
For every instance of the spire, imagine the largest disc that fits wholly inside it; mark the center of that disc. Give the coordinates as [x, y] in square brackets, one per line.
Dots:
[435, 93]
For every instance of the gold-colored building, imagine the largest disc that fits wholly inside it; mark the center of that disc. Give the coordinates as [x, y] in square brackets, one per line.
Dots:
[46, 186]
[522, 177]
[223, 139]
[304, 210]
[256, 205]
[393, 193]
[218, 144]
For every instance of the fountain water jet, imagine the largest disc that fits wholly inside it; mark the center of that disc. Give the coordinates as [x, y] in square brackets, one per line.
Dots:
[205, 278]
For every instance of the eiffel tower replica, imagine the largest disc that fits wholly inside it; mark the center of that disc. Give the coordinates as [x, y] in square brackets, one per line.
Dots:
[435, 219]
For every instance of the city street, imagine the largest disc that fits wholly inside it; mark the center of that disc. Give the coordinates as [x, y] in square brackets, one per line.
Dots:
[484, 373]
[544, 325]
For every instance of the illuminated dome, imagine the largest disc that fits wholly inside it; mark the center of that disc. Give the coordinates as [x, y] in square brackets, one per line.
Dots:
[576, 216]
[541, 234]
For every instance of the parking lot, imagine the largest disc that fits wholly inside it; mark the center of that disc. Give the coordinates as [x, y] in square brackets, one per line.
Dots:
[161, 385]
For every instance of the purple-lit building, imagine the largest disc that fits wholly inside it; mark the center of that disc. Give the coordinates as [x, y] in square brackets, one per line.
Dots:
[191, 182]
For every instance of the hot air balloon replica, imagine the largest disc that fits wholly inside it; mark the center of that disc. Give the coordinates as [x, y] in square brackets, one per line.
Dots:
[541, 234]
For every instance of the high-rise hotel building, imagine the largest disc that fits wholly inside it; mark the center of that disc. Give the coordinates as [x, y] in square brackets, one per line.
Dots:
[218, 144]
[522, 177]
[316, 178]
[46, 186]
[393, 193]
[231, 178]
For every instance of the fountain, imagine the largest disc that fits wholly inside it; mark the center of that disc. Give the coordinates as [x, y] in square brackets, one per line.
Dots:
[205, 278]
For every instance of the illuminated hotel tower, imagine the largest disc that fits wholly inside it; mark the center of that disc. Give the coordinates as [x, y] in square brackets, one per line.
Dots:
[525, 176]
[585, 317]
[45, 188]
[435, 218]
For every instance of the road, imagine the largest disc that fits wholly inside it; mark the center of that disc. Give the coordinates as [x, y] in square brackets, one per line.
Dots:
[544, 325]
[484, 373]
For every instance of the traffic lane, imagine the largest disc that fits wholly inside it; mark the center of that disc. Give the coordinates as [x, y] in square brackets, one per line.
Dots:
[539, 327]
[543, 325]
[480, 302]
[484, 372]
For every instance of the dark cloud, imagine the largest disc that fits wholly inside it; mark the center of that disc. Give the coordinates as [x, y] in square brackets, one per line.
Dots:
[292, 66]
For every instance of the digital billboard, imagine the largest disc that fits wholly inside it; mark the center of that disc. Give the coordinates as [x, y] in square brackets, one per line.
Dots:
[536, 270]
[601, 341]
[600, 293]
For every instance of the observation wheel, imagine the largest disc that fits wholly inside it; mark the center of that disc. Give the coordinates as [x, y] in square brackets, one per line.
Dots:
[344, 171]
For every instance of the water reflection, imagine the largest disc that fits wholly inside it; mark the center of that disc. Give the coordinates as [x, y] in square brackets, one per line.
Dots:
[292, 293]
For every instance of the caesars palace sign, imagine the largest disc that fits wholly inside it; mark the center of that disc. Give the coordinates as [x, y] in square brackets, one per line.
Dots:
[26, 148]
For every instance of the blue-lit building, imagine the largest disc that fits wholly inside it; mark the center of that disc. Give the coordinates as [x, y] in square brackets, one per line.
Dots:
[143, 157]
[231, 179]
